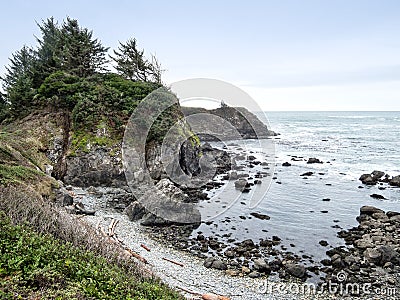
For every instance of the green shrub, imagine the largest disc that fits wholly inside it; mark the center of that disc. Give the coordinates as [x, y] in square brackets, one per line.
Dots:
[40, 266]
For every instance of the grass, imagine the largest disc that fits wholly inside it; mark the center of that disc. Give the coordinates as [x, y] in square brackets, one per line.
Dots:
[39, 266]
[16, 174]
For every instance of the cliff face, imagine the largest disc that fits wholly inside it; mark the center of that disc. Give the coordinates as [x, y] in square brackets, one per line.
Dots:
[246, 123]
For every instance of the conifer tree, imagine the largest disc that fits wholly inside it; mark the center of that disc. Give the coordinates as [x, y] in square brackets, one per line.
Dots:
[80, 53]
[48, 52]
[132, 64]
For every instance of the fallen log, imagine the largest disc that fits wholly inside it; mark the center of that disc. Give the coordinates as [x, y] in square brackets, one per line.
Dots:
[174, 262]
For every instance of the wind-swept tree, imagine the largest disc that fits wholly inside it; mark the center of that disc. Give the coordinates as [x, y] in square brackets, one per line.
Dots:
[132, 64]
[80, 53]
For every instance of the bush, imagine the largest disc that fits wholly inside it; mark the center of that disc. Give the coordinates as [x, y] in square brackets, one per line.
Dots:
[39, 266]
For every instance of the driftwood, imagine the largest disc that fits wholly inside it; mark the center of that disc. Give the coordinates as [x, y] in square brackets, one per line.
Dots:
[111, 227]
[80, 210]
[137, 256]
[211, 296]
[145, 247]
[174, 262]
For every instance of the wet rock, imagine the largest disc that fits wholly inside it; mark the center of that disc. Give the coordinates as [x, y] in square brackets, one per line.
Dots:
[377, 196]
[323, 243]
[286, 164]
[395, 181]
[307, 174]
[260, 216]
[314, 160]
[367, 179]
[240, 184]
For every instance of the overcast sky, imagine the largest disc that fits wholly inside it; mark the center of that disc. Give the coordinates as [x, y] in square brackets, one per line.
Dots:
[288, 55]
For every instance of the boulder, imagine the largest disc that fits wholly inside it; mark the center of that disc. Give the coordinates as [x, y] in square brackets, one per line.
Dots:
[370, 210]
[286, 164]
[261, 266]
[367, 179]
[395, 181]
[260, 216]
[296, 270]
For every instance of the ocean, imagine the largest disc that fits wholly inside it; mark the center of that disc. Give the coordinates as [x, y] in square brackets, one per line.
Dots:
[349, 143]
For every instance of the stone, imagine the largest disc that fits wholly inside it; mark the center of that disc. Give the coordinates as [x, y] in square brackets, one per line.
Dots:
[377, 174]
[323, 243]
[231, 272]
[373, 255]
[369, 210]
[240, 184]
[367, 179]
[377, 196]
[314, 160]
[286, 164]
[254, 274]
[307, 174]
[261, 266]
[245, 270]
[260, 216]
[395, 181]
[135, 211]
[296, 270]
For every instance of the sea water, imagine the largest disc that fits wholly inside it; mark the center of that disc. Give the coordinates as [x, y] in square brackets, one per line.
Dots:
[349, 143]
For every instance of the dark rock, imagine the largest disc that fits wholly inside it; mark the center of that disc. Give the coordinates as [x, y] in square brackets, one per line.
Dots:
[377, 196]
[296, 270]
[286, 164]
[135, 211]
[260, 216]
[369, 210]
[395, 181]
[392, 214]
[307, 174]
[368, 179]
[240, 184]
[314, 160]
[323, 243]
[377, 174]
[214, 263]
[261, 265]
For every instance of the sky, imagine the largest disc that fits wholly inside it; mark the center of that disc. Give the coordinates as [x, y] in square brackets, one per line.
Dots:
[287, 55]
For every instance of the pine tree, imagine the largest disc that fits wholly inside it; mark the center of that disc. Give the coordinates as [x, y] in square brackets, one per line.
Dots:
[48, 52]
[80, 53]
[18, 80]
[132, 64]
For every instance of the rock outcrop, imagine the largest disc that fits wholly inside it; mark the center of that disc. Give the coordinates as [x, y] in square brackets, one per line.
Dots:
[246, 123]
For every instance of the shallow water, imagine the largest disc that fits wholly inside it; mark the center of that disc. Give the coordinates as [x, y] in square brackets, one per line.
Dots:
[349, 144]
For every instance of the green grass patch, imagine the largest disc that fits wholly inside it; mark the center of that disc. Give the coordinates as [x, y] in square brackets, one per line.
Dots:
[16, 174]
[40, 267]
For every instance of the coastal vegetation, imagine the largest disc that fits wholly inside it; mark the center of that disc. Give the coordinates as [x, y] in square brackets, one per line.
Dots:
[59, 99]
